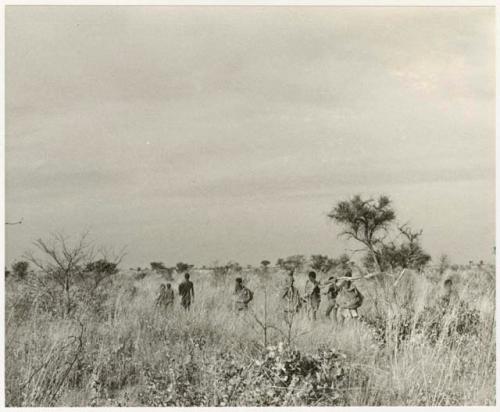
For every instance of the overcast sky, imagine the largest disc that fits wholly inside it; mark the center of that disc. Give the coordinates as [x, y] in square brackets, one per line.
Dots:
[217, 133]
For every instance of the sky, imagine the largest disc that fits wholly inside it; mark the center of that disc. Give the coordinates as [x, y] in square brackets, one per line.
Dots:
[205, 134]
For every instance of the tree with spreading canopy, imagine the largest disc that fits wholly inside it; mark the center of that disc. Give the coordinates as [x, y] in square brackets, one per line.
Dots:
[365, 221]
[369, 223]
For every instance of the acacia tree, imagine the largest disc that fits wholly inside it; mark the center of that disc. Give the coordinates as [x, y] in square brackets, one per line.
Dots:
[69, 263]
[407, 254]
[411, 252]
[365, 221]
[62, 262]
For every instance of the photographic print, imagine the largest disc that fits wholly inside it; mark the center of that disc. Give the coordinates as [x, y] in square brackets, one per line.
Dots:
[249, 206]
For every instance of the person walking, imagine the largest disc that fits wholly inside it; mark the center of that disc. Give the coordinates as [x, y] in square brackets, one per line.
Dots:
[312, 294]
[243, 295]
[291, 299]
[349, 300]
[165, 299]
[186, 292]
[331, 295]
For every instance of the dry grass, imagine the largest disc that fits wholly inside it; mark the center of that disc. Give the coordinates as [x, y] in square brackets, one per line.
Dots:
[126, 353]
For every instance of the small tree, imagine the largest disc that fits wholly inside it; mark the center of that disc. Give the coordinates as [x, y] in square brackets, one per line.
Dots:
[62, 262]
[20, 269]
[407, 254]
[365, 221]
[68, 263]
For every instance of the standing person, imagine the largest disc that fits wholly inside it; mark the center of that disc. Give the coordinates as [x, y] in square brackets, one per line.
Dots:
[349, 300]
[243, 295]
[448, 294]
[290, 296]
[289, 281]
[312, 294]
[165, 299]
[186, 291]
[331, 294]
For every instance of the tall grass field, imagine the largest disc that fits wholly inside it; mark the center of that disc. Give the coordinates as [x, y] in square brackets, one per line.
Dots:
[116, 348]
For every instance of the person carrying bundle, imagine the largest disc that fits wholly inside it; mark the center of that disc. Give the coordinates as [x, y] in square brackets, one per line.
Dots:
[349, 300]
[312, 295]
[331, 294]
[165, 299]
[243, 295]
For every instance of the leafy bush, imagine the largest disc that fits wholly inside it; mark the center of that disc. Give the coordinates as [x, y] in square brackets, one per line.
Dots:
[20, 269]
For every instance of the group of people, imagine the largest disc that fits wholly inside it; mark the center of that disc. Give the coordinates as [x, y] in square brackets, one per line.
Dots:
[165, 299]
[343, 298]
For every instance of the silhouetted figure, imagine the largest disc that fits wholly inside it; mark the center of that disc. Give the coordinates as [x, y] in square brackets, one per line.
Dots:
[312, 294]
[331, 295]
[292, 302]
[186, 291]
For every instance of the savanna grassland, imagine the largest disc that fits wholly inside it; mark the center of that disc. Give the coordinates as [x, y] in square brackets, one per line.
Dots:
[114, 348]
